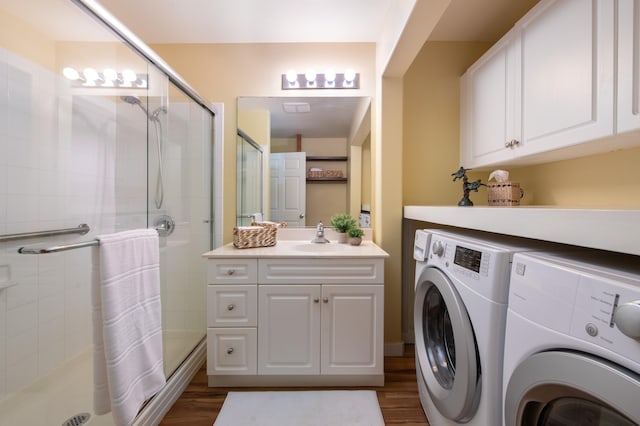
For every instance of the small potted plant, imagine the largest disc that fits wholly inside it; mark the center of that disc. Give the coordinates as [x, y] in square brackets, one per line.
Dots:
[342, 223]
[355, 236]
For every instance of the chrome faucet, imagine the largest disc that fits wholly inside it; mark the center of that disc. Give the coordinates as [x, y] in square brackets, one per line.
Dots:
[320, 238]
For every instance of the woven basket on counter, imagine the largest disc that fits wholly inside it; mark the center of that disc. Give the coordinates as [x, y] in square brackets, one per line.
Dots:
[259, 234]
[504, 193]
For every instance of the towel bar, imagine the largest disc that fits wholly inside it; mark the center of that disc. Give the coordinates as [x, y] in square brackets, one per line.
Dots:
[82, 229]
[71, 246]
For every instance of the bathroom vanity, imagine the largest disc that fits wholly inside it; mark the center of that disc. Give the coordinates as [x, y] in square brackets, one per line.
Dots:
[295, 314]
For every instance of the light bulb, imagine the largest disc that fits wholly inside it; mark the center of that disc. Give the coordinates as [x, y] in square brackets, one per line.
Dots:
[349, 75]
[292, 76]
[90, 74]
[71, 73]
[330, 75]
[310, 75]
[129, 75]
[110, 74]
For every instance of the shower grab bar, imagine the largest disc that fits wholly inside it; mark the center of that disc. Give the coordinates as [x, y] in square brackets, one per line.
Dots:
[81, 229]
[64, 247]
[55, 249]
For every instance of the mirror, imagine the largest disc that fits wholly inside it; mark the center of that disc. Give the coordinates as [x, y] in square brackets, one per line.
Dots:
[334, 173]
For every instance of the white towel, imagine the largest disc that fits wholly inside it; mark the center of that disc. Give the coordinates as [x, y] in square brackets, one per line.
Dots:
[127, 323]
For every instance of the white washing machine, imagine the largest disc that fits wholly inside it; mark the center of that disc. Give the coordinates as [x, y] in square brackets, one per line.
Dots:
[459, 320]
[572, 344]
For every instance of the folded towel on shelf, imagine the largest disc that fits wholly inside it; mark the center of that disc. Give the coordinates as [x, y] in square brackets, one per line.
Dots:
[127, 323]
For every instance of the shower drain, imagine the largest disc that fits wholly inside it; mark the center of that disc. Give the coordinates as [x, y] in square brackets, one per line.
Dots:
[77, 420]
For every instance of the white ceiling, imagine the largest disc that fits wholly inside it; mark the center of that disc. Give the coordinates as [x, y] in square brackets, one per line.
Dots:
[285, 21]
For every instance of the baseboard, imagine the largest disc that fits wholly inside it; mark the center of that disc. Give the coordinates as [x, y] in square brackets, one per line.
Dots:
[394, 349]
[156, 409]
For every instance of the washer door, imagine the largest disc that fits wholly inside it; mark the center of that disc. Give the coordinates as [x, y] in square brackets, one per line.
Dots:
[571, 389]
[446, 348]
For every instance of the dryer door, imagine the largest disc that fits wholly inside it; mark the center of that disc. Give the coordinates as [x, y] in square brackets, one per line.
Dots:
[446, 348]
[571, 389]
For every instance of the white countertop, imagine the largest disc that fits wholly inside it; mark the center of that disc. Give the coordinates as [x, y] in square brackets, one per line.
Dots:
[296, 243]
[613, 230]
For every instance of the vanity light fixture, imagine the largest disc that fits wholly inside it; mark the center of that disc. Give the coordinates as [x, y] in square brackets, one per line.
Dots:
[108, 78]
[327, 80]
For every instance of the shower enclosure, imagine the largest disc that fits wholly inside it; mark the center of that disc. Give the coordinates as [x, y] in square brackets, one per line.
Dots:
[97, 135]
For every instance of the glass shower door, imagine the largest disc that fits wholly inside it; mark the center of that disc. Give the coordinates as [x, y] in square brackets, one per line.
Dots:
[179, 199]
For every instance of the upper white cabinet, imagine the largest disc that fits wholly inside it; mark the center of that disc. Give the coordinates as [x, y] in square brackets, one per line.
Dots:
[547, 90]
[488, 97]
[628, 65]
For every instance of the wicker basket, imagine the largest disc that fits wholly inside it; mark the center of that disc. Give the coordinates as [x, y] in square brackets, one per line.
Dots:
[333, 173]
[257, 235]
[504, 193]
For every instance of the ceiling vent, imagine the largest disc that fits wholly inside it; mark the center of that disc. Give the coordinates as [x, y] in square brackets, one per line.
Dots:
[296, 107]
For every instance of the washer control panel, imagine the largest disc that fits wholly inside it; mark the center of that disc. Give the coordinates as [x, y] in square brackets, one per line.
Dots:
[480, 266]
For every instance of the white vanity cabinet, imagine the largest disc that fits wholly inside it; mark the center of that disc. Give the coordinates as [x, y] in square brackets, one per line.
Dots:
[545, 91]
[320, 329]
[295, 321]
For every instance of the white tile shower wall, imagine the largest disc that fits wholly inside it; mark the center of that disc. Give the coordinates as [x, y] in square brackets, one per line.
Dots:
[56, 170]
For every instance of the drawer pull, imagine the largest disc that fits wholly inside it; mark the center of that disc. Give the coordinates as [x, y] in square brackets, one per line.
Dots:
[230, 307]
[316, 300]
[231, 271]
[229, 351]
[325, 300]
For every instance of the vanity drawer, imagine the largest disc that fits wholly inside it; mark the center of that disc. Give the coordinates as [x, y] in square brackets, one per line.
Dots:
[232, 271]
[232, 351]
[321, 271]
[232, 305]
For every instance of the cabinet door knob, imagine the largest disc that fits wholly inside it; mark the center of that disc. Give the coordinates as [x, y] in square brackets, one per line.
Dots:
[316, 300]
[229, 351]
[325, 300]
[231, 271]
[511, 143]
[230, 307]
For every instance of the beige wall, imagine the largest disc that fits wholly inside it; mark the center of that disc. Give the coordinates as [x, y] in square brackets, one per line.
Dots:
[608, 180]
[27, 41]
[432, 125]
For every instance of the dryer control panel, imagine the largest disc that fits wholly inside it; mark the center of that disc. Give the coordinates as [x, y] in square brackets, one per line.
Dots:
[576, 299]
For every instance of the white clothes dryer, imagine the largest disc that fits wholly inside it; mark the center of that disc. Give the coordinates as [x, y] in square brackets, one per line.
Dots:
[459, 318]
[572, 343]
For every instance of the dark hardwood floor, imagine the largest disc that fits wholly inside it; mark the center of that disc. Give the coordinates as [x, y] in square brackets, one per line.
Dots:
[398, 398]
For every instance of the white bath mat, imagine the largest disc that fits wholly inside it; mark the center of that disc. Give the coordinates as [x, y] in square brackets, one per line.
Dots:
[303, 408]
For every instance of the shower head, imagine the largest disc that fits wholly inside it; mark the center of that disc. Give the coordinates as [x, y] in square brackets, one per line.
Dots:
[134, 100]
